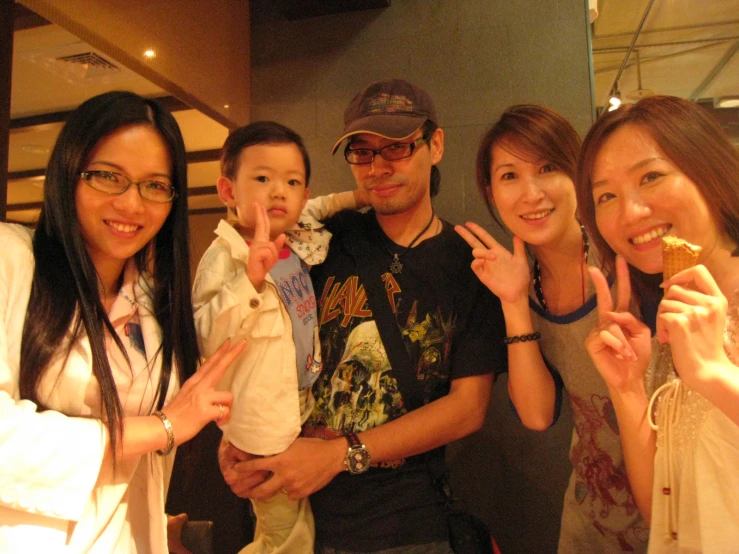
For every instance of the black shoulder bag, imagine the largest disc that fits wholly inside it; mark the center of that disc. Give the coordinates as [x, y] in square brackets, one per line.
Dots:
[467, 533]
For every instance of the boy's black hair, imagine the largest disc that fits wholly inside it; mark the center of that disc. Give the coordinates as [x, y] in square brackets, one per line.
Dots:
[259, 132]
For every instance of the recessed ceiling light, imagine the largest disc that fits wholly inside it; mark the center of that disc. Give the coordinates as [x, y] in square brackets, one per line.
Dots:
[149, 54]
[35, 149]
[728, 102]
[227, 106]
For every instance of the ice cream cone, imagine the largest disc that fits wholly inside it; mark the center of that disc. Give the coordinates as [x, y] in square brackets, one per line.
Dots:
[677, 255]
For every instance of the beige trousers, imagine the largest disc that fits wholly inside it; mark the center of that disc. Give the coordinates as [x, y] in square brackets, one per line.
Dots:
[284, 526]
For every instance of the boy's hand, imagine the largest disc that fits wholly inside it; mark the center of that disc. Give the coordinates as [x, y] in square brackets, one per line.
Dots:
[263, 253]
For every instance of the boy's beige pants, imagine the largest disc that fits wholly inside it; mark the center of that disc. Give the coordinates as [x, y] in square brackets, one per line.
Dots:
[284, 526]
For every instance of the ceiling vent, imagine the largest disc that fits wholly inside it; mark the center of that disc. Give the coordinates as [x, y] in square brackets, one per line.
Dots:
[93, 64]
[78, 64]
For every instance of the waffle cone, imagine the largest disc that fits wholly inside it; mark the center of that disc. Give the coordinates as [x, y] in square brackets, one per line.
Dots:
[677, 255]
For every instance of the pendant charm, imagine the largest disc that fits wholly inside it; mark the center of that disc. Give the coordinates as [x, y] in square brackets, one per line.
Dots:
[396, 267]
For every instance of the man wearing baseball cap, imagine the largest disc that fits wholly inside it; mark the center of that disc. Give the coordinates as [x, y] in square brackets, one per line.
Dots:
[366, 451]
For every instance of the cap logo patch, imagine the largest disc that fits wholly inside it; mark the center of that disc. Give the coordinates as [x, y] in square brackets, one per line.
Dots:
[387, 103]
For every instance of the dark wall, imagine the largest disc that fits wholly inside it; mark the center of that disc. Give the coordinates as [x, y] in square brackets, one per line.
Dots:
[475, 57]
[514, 478]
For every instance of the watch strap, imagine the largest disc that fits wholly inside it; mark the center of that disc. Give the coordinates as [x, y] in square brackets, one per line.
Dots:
[353, 439]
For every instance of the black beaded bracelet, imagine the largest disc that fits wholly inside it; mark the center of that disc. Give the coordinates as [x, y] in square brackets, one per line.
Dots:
[522, 338]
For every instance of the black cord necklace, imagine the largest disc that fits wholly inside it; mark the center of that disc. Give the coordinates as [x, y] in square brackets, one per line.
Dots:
[537, 272]
[395, 266]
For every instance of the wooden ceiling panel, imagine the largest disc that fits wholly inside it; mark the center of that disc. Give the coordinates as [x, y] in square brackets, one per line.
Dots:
[667, 14]
[688, 48]
[42, 85]
[24, 191]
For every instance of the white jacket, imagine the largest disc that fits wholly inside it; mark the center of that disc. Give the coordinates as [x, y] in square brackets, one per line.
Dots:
[54, 488]
[268, 408]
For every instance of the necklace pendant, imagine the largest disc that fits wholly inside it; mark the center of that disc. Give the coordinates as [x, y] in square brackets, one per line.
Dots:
[131, 301]
[396, 267]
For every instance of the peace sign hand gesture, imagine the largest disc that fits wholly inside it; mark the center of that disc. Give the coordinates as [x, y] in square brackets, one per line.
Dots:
[621, 345]
[505, 274]
[198, 402]
[263, 252]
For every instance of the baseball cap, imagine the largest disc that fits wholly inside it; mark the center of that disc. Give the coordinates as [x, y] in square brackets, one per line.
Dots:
[391, 108]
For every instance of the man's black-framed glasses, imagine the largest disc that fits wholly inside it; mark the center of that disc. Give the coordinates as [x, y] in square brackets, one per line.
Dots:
[391, 152]
[111, 182]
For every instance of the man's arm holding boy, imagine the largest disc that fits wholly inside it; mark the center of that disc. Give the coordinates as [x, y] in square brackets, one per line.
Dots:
[309, 464]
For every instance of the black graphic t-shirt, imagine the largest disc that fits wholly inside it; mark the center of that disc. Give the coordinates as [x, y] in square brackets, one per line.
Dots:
[452, 327]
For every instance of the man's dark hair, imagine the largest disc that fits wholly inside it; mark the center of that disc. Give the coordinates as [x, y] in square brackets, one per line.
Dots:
[428, 129]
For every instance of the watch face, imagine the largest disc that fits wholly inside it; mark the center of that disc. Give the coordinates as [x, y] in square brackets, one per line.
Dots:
[357, 460]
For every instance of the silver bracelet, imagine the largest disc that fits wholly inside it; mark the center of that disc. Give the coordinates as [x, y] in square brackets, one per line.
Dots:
[170, 434]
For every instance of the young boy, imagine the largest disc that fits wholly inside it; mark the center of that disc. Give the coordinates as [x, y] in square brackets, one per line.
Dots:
[250, 285]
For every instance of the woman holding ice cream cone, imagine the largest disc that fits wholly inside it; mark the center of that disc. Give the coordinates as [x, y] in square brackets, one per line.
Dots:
[664, 167]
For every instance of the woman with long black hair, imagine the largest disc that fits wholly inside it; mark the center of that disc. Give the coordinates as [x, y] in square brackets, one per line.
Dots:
[97, 337]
